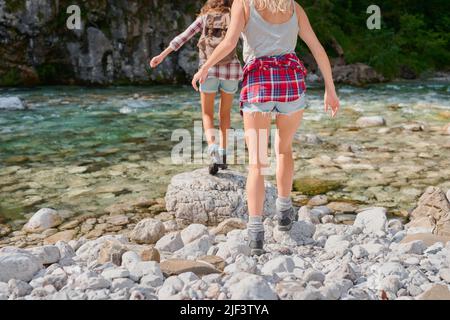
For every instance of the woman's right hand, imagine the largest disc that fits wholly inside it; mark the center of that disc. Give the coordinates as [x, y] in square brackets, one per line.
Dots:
[331, 100]
[156, 61]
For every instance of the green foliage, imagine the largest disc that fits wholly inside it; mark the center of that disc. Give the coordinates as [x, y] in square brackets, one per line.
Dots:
[414, 33]
[10, 78]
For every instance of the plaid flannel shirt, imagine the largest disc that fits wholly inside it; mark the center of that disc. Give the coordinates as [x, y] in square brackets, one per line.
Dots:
[229, 71]
[275, 78]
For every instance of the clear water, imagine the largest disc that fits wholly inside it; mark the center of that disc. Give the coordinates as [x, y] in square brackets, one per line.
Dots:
[122, 135]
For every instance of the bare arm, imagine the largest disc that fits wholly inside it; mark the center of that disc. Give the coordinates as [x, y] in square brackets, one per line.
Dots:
[237, 24]
[307, 34]
[178, 41]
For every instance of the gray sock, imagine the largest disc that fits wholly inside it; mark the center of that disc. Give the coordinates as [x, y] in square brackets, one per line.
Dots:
[283, 204]
[222, 152]
[255, 224]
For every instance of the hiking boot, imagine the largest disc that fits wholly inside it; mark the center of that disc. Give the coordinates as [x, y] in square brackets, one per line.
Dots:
[256, 242]
[286, 218]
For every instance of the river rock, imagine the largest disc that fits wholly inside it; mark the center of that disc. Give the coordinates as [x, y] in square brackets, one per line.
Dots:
[148, 231]
[18, 264]
[318, 200]
[371, 121]
[19, 288]
[278, 264]
[143, 268]
[252, 287]
[308, 138]
[172, 267]
[228, 225]
[48, 254]
[198, 197]
[4, 291]
[129, 258]
[342, 207]
[115, 273]
[90, 250]
[11, 103]
[412, 247]
[301, 233]
[171, 289]
[195, 248]
[434, 205]
[111, 250]
[428, 238]
[171, 242]
[43, 219]
[65, 236]
[216, 261]
[436, 292]
[393, 268]
[90, 280]
[193, 232]
[371, 220]
[337, 244]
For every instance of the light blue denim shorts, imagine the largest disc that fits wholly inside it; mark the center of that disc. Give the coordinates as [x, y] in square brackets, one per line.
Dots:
[277, 107]
[213, 85]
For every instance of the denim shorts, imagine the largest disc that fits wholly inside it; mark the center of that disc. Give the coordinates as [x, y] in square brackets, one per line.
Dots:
[277, 107]
[213, 85]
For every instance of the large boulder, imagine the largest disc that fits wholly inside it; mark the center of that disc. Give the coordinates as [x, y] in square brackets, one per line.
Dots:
[433, 206]
[356, 74]
[18, 264]
[44, 219]
[11, 103]
[198, 197]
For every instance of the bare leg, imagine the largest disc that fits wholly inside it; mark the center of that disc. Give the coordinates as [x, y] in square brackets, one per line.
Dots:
[287, 126]
[257, 128]
[207, 100]
[226, 102]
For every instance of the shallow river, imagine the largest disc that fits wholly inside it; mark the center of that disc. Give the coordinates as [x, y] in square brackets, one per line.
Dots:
[83, 149]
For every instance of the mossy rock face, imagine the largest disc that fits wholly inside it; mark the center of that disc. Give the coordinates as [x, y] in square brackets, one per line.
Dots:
[10, 78]
[313, 186]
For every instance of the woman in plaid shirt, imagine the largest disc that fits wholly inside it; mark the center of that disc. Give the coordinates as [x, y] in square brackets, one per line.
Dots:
[274, 83]
[224, 76]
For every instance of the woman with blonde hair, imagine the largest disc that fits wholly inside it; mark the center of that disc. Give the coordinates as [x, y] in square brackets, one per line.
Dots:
[274, 83]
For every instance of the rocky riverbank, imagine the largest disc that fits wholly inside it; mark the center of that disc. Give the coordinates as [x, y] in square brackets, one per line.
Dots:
[130, 255]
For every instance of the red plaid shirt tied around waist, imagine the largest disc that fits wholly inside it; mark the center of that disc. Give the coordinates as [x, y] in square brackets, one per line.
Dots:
[273, 78]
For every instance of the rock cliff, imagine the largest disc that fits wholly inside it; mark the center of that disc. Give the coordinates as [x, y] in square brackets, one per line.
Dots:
[113, 45]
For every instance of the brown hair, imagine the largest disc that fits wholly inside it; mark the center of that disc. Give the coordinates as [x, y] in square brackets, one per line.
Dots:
[222, 6]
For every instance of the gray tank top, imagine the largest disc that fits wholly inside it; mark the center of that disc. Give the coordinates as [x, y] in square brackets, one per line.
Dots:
[261, 38]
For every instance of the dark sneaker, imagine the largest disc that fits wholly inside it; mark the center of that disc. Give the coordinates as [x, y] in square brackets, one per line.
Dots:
[223, 164]
[213, 168]
[256, 242]
[285, 219]
[215, 159]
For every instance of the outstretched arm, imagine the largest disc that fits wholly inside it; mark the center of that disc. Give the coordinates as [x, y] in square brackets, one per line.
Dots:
[178, 41]
[307, 34]
[237, 24]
